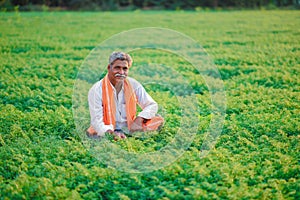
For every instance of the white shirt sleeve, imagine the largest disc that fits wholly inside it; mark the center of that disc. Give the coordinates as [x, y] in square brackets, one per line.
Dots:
[96, 109]
[148, 105]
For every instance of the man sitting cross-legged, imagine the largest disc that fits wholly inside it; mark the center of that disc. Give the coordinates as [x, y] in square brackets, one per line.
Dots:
[113, 99]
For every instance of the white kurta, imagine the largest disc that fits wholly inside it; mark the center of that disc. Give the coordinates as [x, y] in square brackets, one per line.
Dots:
[148, 105]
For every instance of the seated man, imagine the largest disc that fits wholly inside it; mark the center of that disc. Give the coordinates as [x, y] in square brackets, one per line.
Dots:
[113, 99]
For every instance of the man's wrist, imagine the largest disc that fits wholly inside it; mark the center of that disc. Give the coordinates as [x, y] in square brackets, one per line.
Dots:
[139, 120]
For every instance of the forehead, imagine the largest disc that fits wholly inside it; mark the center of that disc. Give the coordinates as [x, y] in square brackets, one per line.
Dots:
[120, 63]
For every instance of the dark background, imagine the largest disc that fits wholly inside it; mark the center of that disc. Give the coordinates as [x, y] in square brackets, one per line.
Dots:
[45, 5]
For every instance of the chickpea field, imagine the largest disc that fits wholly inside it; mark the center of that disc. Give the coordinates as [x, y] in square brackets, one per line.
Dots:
[256, 156]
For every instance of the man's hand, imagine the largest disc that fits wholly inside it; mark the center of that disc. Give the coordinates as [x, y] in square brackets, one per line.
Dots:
[117, 135]
[110, 131]
[137, 124]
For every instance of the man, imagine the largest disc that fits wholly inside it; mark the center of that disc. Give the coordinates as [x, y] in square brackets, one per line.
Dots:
[113, 99]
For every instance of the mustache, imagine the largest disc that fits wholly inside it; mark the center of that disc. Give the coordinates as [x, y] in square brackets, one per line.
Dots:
[120, 75]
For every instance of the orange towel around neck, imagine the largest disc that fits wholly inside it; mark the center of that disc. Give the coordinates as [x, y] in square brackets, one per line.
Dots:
[109, 106]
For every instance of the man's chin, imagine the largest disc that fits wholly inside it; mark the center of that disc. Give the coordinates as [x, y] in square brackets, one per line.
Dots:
[120, 80]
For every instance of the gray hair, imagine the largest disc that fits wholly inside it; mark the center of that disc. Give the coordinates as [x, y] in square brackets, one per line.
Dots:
[120, 56]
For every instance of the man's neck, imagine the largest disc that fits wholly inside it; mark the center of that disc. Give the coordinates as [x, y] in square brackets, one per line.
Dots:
[118, 87]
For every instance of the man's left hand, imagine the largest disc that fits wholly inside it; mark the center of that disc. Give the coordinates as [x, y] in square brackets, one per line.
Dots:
[137, 124]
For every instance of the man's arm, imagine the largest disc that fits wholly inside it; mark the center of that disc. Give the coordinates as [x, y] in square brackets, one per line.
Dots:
[96, 110]
[148, 105]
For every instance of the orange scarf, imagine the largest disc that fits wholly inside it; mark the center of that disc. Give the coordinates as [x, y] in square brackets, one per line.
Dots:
[109, 106]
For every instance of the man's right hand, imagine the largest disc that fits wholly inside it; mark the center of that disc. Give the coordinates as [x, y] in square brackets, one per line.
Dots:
[117, 135]
[110, 131]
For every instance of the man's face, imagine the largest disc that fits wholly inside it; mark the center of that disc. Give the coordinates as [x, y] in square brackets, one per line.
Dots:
[118, 71]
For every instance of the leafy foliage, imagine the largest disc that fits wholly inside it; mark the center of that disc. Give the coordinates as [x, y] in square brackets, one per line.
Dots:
[257, 155]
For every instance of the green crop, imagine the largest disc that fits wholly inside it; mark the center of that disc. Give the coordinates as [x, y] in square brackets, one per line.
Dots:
[256, 157]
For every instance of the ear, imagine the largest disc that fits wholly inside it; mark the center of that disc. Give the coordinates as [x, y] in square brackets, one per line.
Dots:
[108, 66]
